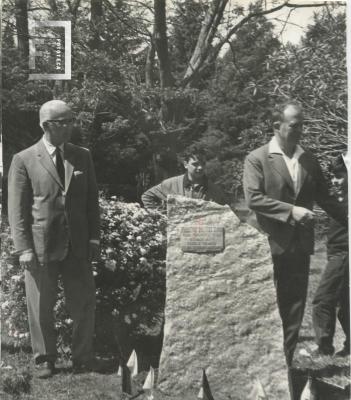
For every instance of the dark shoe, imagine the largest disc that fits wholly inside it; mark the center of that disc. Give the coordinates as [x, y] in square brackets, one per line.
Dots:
[344, 352]
[45, 370]
[323, 351]
[92, 365]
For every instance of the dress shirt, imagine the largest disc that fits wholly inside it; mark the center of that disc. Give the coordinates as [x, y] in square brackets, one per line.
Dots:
[292, 163]
[195, 190]
[52, 150]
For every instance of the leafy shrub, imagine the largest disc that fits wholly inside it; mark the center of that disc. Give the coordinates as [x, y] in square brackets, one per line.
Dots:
[130, 276]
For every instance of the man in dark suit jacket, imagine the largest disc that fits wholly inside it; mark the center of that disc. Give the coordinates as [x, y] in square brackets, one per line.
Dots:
[281, 184]
[54, 219]
[193, 183]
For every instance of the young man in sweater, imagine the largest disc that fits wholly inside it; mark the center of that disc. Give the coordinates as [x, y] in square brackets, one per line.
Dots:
[333, 289]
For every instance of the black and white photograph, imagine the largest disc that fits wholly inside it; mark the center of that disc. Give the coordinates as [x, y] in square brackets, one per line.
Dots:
[174, 200]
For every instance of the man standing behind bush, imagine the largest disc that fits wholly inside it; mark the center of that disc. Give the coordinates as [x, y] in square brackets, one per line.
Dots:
[54, 219]
[193, 183]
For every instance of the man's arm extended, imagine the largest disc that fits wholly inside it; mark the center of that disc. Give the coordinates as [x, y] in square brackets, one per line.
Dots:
[93, 202]
[19, 205]
[154, 197]
[93, 213]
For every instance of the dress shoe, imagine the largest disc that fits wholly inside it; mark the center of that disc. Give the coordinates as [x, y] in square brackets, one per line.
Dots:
[323, 351]
[92, 365]
[45, 370]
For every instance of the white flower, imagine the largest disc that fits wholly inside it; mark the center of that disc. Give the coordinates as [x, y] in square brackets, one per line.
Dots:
[16, 278]
[138, 238]
[94, 273]
[143, 260]
[5, 304]
[109, 250]
[142, 251]
[111, 265]
[127, 320]
[68, 321]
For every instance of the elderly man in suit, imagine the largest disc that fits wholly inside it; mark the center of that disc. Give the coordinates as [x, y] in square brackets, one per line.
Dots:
[54, 219]
[281, 183]
[193, 184]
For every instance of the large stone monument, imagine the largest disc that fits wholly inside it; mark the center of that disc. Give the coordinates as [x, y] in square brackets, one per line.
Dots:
[221, 312]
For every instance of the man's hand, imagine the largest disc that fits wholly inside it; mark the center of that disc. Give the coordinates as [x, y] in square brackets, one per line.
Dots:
[94, 251]
[28, 260]
[302, 216]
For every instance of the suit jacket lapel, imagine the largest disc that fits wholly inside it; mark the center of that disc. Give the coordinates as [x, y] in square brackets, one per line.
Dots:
[278, 163]
[47, 163]
[69, 164]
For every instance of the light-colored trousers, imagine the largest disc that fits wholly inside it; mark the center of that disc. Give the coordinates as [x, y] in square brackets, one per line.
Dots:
[41, 292]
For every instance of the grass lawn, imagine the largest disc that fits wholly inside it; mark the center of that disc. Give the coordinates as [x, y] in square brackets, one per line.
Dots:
[91, 386]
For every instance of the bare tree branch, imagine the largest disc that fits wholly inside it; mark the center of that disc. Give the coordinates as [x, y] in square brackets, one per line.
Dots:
[205, 53]
[206, 36]
[161, 43]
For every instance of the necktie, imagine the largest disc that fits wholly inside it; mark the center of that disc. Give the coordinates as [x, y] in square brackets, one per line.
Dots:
[59, 166]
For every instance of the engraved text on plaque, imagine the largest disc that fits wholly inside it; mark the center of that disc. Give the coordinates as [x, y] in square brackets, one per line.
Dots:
[202, 238]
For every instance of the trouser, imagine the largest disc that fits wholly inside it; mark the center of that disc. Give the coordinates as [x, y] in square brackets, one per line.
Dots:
[333, 291]
[291, 271]
[41, 292]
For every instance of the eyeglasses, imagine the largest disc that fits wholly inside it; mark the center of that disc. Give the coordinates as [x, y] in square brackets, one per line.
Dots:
[62, 122]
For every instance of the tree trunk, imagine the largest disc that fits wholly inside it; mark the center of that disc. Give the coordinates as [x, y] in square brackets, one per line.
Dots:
[21, 14]
[95, 23]
[209, 28]
[53, 6]
[205, 53]
[161, 43]
[149, 65]
[73, 9]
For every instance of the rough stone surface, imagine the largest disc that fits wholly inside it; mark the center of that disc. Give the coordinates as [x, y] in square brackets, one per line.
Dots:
[221, 312]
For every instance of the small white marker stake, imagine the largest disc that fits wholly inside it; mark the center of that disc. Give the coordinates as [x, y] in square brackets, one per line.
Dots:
[132, 364]
[201, 394]
[258, 392]
[150, 380]
[306, 394]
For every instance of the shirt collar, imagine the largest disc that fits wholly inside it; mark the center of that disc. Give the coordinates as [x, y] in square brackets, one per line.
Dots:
[275, 148]
[51, 148]
[187, 182]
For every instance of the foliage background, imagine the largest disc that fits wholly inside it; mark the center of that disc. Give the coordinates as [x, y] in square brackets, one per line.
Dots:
[137, 110]
[136, 126]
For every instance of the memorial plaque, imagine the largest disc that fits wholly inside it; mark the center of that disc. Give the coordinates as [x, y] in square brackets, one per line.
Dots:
[202, 239]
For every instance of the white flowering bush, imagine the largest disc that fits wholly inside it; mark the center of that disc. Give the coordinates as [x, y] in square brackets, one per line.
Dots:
[130, 276]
